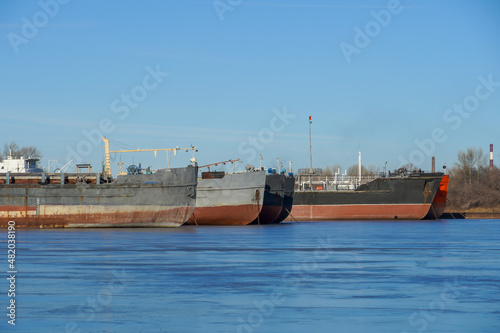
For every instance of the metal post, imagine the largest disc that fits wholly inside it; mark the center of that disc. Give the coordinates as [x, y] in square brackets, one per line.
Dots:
[359, 167]
[310, 148]
[49, 163]
[7, 177]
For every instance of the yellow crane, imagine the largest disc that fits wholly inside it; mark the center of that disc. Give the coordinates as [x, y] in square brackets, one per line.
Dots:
[108, 159]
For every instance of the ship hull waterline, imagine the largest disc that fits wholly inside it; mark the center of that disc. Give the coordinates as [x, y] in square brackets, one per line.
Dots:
[360, 212]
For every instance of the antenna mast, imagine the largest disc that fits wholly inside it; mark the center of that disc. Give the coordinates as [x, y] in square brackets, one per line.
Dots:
[310, 148]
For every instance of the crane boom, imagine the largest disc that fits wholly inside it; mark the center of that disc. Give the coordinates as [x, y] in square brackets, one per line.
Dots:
[108, 159]
[215, 164]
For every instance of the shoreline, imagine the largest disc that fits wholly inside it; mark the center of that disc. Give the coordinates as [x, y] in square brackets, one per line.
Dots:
[469, 215]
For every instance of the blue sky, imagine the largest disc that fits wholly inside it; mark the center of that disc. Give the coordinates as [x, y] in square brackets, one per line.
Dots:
[239, 79]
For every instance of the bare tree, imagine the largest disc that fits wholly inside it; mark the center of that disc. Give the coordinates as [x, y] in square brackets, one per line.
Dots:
[29, 151]
[13, 149]
[472, 184]
[10, 149]
[470, 162]
[373, 170]
[409, 166]
[330, 171]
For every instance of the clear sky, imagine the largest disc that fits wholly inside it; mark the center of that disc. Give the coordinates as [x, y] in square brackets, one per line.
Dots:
[400, 80]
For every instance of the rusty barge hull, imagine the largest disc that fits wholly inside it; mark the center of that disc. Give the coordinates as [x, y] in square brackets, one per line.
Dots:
[360, 212]
[163, 199]
[234, 199]
[278, 199]
[407, 198]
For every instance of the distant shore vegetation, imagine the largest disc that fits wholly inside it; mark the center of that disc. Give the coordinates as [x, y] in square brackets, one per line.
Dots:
[474, 186]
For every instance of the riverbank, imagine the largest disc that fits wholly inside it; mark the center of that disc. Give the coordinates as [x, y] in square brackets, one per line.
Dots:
[475, 213]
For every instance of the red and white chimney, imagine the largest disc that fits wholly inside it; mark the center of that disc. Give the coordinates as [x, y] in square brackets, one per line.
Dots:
[491, 156]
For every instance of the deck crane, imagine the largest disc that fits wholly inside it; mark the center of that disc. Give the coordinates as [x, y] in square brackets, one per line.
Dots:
[108, 159]
[63, 168]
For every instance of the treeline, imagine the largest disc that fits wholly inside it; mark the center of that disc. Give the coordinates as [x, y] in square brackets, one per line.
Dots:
[473, 185]
[371, 170]
[13, 149]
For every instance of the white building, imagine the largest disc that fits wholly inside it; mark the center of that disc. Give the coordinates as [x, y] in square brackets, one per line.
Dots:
[20, 165]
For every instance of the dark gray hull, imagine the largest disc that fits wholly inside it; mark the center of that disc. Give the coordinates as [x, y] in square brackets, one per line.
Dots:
[164, 199]
[407, 198]
[278, 199]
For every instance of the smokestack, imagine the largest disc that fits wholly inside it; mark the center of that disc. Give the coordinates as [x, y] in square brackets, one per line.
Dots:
[433, 164]
[359, 166]
[491, 156]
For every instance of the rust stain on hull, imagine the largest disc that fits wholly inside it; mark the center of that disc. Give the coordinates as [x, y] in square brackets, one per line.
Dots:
[173, 217]
[360, 212]
[229, 199]
[225, 215]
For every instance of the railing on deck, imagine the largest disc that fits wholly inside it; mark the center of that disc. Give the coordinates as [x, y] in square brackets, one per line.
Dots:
[330, 183]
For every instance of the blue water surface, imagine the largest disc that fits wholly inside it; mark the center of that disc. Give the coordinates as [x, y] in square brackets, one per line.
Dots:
[376, 276]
